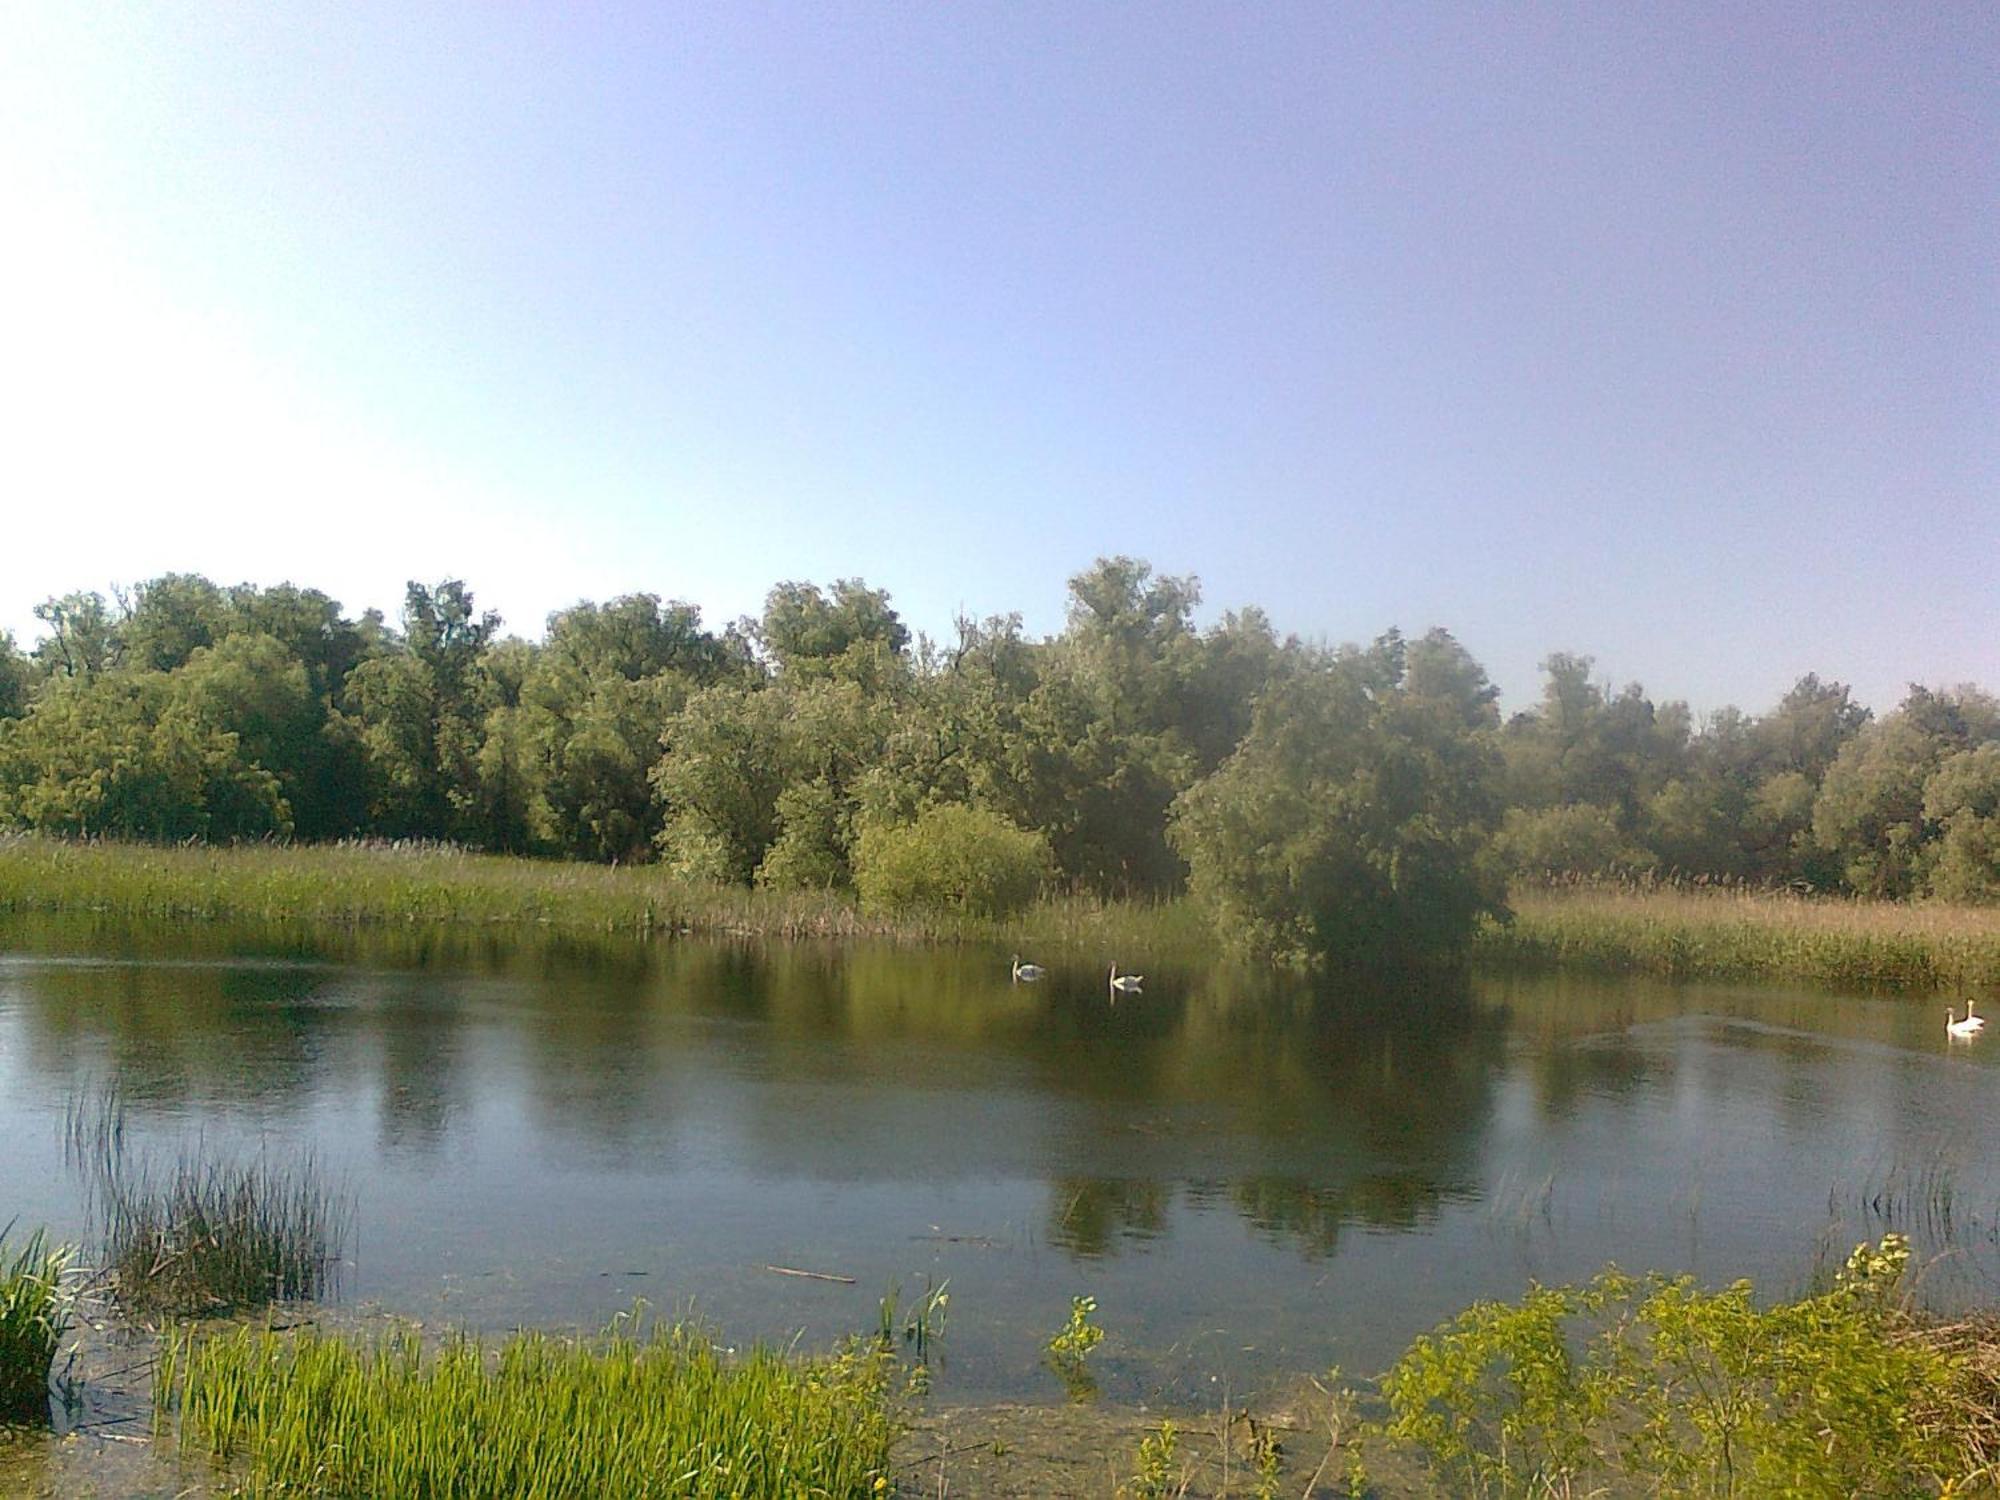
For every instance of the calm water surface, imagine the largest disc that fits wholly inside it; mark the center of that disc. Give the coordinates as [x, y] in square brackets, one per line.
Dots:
[1254, 1179]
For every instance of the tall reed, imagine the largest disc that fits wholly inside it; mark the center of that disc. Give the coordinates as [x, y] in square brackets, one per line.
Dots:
[633, 1414]
[1723, 933]
[205, 1234]
[370, 884]
[213, 1236]
[34, 1316]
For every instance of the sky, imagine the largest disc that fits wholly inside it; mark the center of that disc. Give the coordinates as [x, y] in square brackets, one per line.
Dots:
[1668, 334]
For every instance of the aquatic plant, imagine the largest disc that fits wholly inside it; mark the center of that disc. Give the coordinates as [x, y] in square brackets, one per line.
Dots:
[1072, 1343]
[207, 1234]
[34, 1316]
[925, 1325]
[639, 1412]
[1694, 1392]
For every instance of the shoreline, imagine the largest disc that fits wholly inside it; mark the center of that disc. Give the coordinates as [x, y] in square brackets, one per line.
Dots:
[1711, 933]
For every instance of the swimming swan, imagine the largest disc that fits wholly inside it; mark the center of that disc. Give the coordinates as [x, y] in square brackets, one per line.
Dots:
[1027, 973]
[1125, 984]
[1969, 1027]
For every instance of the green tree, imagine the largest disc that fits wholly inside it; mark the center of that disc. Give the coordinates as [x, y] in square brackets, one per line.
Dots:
[1807, 729]
[1869, 814]
[117, 755]
[1962, 803]
[312, 629]
[604, 685]
[16, 678]
[421, 711]
[83, 639]
[1352, 824]
[251, 686]
[172, 617]
[1580, 839]
[850, 632]
[718, 782]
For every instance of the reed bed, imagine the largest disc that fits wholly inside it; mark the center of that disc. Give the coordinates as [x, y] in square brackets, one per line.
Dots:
[633, 1414]
[214, 1236]
[34, 1316]
[387, 884]
[205, 1234]
[1721, 933]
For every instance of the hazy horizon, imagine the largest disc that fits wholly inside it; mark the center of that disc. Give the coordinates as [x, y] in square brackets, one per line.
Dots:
[1671, 338]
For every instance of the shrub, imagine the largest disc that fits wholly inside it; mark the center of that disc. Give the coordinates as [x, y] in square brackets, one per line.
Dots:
[1693, 1392]
[952, 859]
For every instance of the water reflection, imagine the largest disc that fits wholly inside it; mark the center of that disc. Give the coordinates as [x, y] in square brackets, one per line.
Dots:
[528, 1124]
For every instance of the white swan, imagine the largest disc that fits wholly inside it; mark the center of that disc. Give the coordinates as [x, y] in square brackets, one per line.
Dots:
[1125, 984]
[1027, 973]
[1969, 1027]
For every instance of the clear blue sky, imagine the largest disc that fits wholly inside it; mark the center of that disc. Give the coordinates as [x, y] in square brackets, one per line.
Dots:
[1665, 333]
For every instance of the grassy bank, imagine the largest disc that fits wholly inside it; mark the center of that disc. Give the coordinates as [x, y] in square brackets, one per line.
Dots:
[1623, 1386]
[1685, 934]
[1754, 936]
[381, 884]
[660, 1413]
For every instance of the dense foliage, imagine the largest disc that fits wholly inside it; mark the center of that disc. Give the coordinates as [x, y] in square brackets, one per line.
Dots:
[951, 859]
[1347, 801]
[1689, 1392]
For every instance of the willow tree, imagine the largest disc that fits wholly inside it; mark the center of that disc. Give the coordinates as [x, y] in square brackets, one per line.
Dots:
[1353, 824]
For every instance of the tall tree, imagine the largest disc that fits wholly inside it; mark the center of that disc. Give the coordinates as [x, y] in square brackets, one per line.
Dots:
[83, 637]
[1351, 826]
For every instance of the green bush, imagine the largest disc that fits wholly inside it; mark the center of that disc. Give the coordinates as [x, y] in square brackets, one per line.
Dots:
[1694, 1393]
[952, 859]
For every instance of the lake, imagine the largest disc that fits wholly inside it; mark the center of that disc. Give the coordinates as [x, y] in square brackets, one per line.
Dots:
[1256, 1179]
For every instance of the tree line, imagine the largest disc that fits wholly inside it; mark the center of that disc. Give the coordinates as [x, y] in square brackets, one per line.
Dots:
[1322, 799]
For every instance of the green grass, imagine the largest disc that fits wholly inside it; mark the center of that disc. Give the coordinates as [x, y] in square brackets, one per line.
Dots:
[34, 1316]
[632, 1414]
[1735, 934]
[375, 884]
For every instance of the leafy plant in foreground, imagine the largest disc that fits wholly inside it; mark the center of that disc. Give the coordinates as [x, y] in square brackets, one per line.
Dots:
[34, 1315]
[1071, 1344]
[1696, 1393]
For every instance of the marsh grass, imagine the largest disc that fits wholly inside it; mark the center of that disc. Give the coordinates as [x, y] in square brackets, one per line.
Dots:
[208, 1236]
[641, 1411]
[1738, 933]
[34, 1316]
[382, 884]
[203, 1234]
